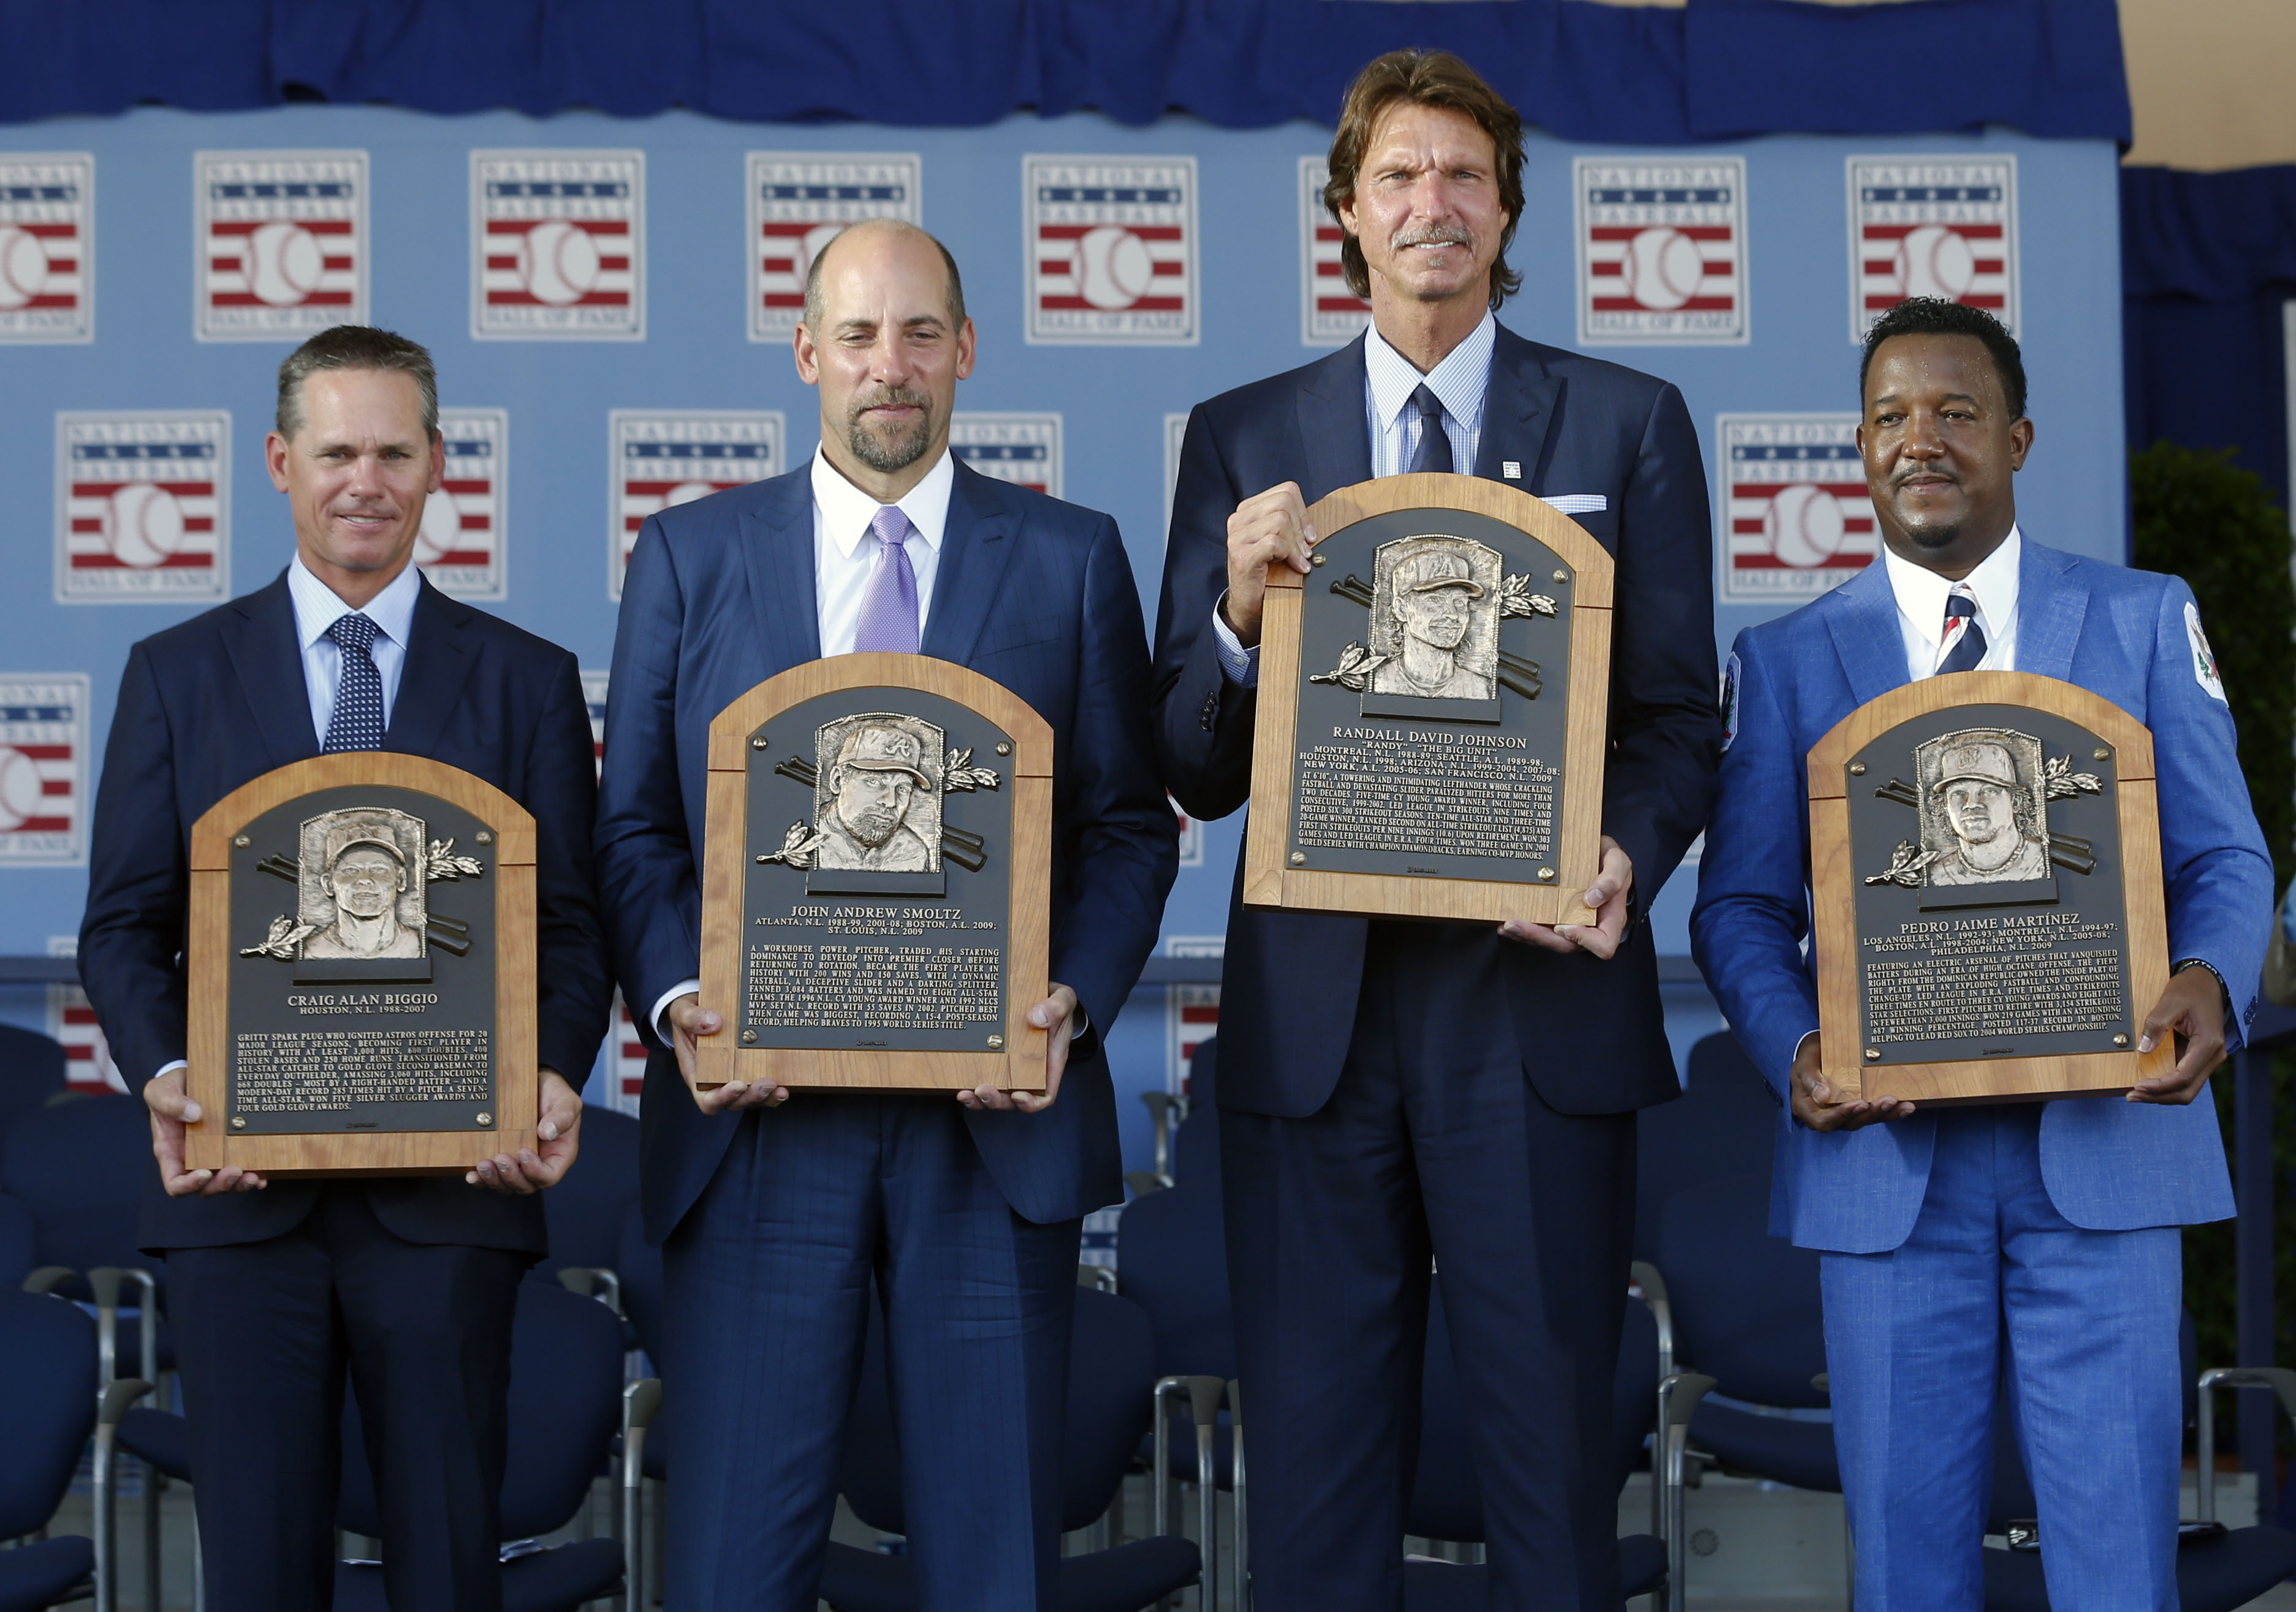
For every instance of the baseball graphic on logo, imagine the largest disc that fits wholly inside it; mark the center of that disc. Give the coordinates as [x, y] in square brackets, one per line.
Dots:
[284, 261]
[20, 787]
[559, 262]
[1804, 526]
[144, 524]
[815, 242]
[1935, 261]
[23, 267]
[1113, 267]
[1664, 267]
[686, 491]
[441, 531]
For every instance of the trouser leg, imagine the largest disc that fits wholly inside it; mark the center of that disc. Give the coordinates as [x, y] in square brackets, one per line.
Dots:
[1328, 1258]
[259, 1348]
[2093, 1319]
[1912, 1342]
[979, 1304]
[428, 1328]
[766, 1302]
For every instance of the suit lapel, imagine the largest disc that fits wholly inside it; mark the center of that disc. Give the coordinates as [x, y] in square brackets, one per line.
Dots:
[439, 657]
[975, 547]
[1865, 636]
[2050, 606]
[777, 551]
[260, 639]
[1333, 428]
[1518, 410]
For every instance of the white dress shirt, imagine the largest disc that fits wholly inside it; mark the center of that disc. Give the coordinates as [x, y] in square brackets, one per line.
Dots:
[1460, 382]
[844, 554]
[317, 608]
[1921, 595]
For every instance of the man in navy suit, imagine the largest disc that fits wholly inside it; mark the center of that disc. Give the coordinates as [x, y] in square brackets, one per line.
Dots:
[275, 1288]
[1393, 1092]
[777, 1221]
[2052, 1227]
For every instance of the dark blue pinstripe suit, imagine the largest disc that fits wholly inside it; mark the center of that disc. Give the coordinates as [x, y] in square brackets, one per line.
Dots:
[776, 1222]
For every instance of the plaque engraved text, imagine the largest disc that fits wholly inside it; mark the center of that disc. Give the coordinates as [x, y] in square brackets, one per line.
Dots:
[312, 1071]
[1410, 791]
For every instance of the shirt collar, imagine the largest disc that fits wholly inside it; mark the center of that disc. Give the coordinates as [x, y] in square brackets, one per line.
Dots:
[318, 607]
[1921, 592]
[1458, 382]
[846, 511]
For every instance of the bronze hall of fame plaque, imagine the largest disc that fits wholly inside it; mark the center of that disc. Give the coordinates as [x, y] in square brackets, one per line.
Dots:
[362, 962]
[1985, 856]
[1432, 701]
[876, 885]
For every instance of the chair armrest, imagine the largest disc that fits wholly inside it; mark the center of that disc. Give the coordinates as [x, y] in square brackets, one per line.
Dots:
[47, 1278]
[641, 1403]
[1144, 1182]
[2280, 1379]
[600, 1283]
[1647, 1277]
[1100, 1279]
[1677, 1400]
[111, 1403]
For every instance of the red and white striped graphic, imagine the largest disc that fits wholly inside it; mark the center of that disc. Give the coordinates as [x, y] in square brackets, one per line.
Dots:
[1796, 518]
[798, 203]
[1191, 1019]
[71, 1021]
[1330, 315]
[1933, 226]
[1111, 249]
[281, 244]
[1191, 838]
[626, 1061]
[143, 505]
[1662, 251]
[594, 695]
[1023, 449]
[559, 239]
[47, 237]
[43, 769]
[665, 459]
[461, 547]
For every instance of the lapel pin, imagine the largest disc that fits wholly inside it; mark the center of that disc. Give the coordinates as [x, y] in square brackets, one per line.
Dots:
[1512, 469]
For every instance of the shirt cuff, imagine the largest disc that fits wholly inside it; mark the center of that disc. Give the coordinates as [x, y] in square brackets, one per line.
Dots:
[1241, 665]
[170, 1069]
[661, 1005]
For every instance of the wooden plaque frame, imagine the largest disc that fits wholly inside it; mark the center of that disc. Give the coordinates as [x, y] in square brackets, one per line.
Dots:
[1269, 882]
[1020, 1065]
[210, 1144]
[1833, 886]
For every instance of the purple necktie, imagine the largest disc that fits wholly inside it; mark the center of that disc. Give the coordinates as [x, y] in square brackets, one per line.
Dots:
[888, 607]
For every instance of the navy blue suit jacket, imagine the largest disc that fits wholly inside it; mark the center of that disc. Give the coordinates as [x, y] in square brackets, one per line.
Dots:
[207, 706]
[1033, 593]
[1591, 1031]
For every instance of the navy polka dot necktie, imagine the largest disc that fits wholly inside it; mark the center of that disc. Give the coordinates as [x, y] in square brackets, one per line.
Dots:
[356, 724]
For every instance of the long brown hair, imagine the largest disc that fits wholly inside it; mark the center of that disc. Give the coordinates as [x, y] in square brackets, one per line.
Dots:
[1425, 78]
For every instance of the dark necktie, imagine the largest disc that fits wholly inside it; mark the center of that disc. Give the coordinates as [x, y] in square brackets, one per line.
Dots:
[1963, 644]
[1433, 452]
[356, 724]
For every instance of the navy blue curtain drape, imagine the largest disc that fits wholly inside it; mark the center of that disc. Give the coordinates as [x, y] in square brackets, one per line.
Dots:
[1720, 69]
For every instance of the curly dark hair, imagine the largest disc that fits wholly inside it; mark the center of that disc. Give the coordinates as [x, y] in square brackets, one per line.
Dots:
[1936, 317]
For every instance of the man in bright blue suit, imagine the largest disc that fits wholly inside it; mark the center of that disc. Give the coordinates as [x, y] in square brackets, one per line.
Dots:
[1395, 1094]
[278, 1289]
[777, 1220]
[2051, 1225]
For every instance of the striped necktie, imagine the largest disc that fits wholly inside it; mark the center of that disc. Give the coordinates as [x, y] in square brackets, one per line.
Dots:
[1963, 646]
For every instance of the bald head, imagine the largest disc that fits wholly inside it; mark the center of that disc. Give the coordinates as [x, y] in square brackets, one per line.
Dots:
[877, 235]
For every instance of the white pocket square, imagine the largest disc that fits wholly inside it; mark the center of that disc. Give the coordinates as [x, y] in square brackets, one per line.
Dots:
[1579, 503]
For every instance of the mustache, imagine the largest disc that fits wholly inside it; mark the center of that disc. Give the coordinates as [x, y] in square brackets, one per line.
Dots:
[1430, 235]
[904, 396]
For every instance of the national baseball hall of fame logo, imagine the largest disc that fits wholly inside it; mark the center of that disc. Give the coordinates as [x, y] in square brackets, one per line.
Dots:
[1330, 315]
[594, 695]
[42, 770]
[1023, 449]
[47, 238]
[1933, 226]
[1795, 516]
[142, 507]
[1662, 251]
[798, 203]
[665, 459]
[1111, 251]
[461, 545]
[281, 244]
[88, 1067]
[558, 246]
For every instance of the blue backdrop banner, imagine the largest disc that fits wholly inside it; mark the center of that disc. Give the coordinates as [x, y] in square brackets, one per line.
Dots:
[1719, 69]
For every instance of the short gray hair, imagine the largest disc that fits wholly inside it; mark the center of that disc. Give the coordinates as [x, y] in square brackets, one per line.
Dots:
[355, 347]
[900, 226]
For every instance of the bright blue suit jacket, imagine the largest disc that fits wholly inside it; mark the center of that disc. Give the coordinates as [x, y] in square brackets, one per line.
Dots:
[1032, 593]
[2110, 1165]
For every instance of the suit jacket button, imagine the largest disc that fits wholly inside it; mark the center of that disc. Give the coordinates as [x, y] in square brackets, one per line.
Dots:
[1211, 711]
